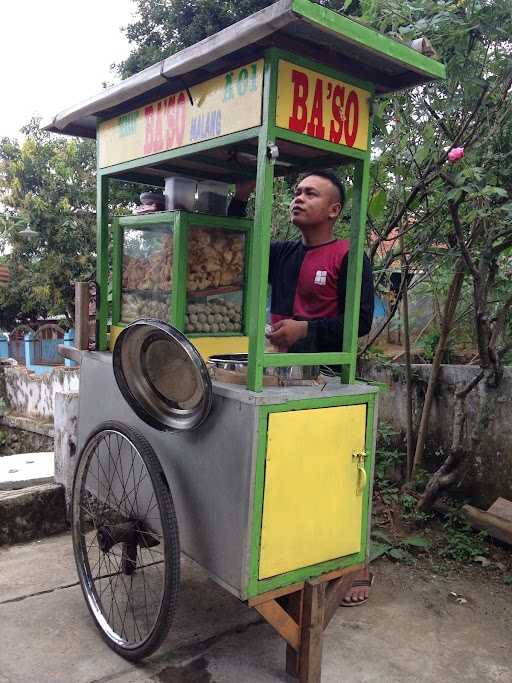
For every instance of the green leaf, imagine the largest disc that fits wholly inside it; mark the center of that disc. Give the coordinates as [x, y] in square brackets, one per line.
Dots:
[377, 204]
[381, 536]
[378, 549]
[400, 554]
[417, 542]
[454, 194]
[379, 123]
[489, 190]
[346, 5]
[421, 154]
[507, 580]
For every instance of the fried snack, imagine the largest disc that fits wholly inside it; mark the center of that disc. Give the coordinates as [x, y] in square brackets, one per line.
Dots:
[151, 273]
[216, 259]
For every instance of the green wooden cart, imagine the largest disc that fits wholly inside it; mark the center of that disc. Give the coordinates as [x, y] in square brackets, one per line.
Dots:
[271, 492]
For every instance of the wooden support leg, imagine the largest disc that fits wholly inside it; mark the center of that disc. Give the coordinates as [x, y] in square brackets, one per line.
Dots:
[281, 621]
[294, 609]
[312, 630]
[300, 613]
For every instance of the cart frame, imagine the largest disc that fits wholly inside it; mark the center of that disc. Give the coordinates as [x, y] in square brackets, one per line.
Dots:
[290, 31]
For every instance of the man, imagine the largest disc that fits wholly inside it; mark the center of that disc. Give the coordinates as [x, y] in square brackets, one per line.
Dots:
[308, 279]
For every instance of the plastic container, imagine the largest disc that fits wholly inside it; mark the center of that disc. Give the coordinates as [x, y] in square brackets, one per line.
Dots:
[180, 193]
[156, 198]
[212, 197]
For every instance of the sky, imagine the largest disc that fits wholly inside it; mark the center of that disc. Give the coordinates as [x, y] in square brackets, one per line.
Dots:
[55, 53]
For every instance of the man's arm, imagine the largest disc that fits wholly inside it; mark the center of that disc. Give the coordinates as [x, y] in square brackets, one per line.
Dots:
[327, 333]
[237, 207]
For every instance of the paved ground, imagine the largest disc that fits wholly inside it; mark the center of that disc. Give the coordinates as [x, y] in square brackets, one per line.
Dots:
[410, 631]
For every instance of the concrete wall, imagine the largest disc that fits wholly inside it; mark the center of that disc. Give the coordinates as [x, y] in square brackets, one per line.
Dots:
[33, 395]
[66, 437]
[489, 473]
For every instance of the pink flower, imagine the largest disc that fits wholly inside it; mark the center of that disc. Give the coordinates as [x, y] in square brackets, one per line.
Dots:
[455, 154]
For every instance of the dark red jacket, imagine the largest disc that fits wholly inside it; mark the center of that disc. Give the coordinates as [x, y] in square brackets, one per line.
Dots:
[309, 283]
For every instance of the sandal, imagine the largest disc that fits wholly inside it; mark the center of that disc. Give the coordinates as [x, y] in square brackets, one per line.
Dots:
[358, 583]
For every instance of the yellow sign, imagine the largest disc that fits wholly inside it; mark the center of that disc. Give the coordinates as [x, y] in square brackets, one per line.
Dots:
[225, 104]
[322, 107]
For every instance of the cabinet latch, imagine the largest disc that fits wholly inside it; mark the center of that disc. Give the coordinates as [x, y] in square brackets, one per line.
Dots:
[359, 457]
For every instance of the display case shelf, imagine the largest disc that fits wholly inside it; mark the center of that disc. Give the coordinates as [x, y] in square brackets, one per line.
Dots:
[214, 290]
[149, 293]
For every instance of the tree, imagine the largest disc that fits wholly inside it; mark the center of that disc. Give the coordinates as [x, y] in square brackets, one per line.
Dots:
[462, 207]
[164, 27]
[48, 182]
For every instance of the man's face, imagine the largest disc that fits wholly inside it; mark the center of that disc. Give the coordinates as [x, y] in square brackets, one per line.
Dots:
[316, 202]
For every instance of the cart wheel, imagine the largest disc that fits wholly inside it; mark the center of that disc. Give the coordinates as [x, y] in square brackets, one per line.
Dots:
[125, 540]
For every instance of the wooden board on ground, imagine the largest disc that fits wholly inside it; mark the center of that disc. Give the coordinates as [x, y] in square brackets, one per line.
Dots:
[502, 508]
[497, 527]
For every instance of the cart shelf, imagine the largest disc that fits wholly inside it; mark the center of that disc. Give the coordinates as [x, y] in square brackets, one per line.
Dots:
[213, 291]
[148, 292]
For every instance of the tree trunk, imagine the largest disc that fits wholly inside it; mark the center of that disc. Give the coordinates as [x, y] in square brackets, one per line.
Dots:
[448, 315]
[408, 372]
[451, 470]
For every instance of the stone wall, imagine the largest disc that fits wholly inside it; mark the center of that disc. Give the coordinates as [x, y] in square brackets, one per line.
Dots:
[23, 440]
[489, 474]
[31, 395]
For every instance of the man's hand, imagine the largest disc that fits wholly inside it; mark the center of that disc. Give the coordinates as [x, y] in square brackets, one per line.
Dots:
[286, 332]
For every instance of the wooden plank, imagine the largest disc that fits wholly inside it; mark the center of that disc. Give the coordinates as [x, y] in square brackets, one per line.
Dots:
[501, 508]
[82, 315]
[70, 352]
[277, 593]
[294, 609]
[497, 527]
[279, 619]
[336, 574]
[311, 636]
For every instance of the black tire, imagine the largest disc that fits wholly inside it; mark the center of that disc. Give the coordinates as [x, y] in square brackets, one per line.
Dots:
[125, 540]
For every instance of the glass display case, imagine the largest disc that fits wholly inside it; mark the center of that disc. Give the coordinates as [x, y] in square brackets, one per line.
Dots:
[183, 268]
[146, 272]
[215, 281]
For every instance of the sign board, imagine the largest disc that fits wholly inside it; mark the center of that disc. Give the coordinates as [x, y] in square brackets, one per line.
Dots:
[311, 103]
[225, 104]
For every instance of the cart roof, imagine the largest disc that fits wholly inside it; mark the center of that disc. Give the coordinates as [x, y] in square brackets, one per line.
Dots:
[296, 25]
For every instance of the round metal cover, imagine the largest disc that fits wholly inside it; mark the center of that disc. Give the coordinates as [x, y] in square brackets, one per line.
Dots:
[162, 375]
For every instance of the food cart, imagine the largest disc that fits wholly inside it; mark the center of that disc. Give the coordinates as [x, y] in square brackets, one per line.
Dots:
[264, 482]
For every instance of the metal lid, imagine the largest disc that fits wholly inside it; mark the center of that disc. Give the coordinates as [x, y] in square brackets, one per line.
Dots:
[162, 375]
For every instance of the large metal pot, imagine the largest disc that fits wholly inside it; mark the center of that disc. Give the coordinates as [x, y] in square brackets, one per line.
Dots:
[238, 362]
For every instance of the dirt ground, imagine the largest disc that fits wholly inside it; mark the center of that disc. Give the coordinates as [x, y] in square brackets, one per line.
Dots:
[412, 628]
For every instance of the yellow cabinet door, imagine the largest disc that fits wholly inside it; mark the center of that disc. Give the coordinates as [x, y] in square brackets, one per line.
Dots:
[312, 505]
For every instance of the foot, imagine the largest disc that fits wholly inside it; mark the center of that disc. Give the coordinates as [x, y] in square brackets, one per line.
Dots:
[359, 589]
